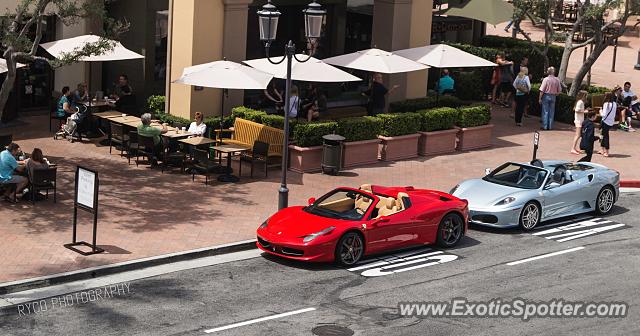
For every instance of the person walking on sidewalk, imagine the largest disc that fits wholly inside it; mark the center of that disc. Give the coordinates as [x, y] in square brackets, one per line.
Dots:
[578, 118]
[549, 90]
[522, 86]
[588, 136]
[608, 113]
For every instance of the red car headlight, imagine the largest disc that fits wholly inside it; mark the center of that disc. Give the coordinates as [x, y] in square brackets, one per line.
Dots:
[313, 236]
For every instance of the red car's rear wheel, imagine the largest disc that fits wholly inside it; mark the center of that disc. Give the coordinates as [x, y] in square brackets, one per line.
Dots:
[349, 249]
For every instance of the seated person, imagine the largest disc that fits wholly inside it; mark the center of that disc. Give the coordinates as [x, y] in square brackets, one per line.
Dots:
[146, 130]
[198, 127]
[8, 166]
[127, 101]
[64, 104]
[36, 161]
[445, 84]
[80, 95]
[319, 107]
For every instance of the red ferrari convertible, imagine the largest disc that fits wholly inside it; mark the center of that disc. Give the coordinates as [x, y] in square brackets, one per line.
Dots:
[347, 224]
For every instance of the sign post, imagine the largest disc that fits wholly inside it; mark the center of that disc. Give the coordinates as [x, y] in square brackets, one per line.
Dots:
[536, 141]
[86, 199]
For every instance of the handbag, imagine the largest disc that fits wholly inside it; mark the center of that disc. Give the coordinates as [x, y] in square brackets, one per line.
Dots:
[521, 86]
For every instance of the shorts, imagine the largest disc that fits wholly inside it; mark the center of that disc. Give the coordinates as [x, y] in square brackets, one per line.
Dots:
[578, 124]
[15, 179]
[506, 87]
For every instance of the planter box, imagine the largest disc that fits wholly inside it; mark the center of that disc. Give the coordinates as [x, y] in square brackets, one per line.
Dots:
[438, 142]
[475, 137]
[398, 147]
[358, 153]
[305, 159]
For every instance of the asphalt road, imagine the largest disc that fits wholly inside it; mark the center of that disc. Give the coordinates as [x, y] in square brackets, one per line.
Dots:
[607, 268]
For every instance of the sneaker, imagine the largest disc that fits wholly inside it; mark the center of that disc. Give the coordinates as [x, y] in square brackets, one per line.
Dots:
[631, 129]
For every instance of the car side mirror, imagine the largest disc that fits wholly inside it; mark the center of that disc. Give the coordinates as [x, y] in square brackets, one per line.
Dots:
[552, 185]
[487, 171]
[311, 200]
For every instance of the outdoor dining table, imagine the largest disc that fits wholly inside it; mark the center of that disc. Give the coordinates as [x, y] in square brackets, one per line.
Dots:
[230, 150]
[108, 114]
[197, 141]
[173, 134]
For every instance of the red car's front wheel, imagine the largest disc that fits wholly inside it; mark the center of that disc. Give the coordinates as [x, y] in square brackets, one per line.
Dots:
[349, 249]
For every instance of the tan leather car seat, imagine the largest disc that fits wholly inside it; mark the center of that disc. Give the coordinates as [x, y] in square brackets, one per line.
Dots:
[366, 187]
[400, 203]
[388, 208]
[363, 203]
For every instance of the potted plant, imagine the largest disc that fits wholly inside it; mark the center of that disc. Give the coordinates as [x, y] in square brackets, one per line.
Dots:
[305, 155]
[361, 140]
[438, 132]
[475, 130]
[398, 136]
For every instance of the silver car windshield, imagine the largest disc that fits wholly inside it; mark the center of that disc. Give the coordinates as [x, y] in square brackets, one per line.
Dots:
[518, 176]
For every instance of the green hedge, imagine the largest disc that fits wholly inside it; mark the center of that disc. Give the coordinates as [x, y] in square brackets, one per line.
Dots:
[310, 134]
[359, 128]
[413, 105]
[171, 119]
[156, 104]
[470, 85]
[248, 114]
[564, 105]
[474, 115]
[396, 124]
[438, 119]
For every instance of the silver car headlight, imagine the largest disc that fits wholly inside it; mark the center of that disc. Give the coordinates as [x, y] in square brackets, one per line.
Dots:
[453, 189]
[506, 201]
[318, 234]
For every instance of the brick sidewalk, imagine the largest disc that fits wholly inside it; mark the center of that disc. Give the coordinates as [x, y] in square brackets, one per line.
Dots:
[146, 213]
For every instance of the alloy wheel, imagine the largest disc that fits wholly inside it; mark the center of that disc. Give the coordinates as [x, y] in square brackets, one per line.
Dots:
[530, 216]
[605, 201]
[350, 249]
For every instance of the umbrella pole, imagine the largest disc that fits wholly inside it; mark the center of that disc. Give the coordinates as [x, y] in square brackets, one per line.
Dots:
[225, 95]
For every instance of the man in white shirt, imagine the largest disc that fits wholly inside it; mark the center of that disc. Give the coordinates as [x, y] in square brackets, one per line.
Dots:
[634, 103]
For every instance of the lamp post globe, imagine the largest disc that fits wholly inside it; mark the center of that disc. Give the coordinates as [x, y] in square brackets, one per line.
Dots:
[313, 20]
[268, 22]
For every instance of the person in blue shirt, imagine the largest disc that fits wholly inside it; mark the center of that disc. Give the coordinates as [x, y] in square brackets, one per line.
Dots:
[64, 104]
[445, 83]
[9, 165]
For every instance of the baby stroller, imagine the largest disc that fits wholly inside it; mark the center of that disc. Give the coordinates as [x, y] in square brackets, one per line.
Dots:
[72, 128]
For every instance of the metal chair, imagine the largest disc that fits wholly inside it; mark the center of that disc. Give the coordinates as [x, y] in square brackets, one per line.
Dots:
[132, 145]
[202, 165]
[117, 136]
[43, 179]
[145, 148]
[259, 154]
[169, 157]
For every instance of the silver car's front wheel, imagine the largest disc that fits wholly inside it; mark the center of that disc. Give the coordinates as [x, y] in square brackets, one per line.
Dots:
[605, 201]
[530, 216]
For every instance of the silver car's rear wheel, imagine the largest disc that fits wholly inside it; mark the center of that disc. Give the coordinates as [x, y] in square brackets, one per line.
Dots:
[606, 199]
[530, 216]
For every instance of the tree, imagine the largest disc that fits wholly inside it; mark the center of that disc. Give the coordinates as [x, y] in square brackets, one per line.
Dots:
[540, 9]
[21, 32]
[590, 18]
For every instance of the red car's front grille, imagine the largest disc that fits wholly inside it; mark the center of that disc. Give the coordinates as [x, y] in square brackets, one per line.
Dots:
[279, 249]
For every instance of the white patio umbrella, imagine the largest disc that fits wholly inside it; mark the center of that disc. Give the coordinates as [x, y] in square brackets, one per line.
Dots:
[58, 48]
[443, 56]
[313, 70]
[224, 75]
[3, 65]
[376, 60]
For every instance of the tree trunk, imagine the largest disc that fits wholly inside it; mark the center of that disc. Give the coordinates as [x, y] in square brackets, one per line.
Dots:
[9, 81]
[584, 69]
[564, 63]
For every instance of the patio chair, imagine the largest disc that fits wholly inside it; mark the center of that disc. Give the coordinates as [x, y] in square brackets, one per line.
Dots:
[202, 165]
[5, 140]
[43, 179]
[259, 154]
[53, 107]
[117, 136]
[11, 187]
[145, 148]
[173, 157]
[132, 145]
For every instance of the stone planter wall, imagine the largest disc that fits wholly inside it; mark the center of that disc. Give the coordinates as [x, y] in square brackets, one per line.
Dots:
[398, 147]
[437, 142]
[475, 137]
[305, 159]
[358, 153]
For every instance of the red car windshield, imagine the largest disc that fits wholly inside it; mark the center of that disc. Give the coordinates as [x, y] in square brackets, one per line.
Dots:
[341, 204]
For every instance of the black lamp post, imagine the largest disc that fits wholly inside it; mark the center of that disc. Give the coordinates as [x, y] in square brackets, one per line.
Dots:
[268, 20]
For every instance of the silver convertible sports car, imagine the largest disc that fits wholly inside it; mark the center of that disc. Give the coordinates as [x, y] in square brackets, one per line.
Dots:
[523, 194]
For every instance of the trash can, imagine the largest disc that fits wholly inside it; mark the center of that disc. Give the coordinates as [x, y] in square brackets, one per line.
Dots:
[332, 154]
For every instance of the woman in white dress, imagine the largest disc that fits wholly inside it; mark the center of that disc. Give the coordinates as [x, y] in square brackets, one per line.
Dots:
[578, 118]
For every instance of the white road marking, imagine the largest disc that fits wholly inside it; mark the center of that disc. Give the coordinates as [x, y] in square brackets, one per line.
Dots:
[629, 190]
[584, 233]
[572, 226]
[262, 319]
[435, 260]
[391, 261]
[572, 220]
[517, 262]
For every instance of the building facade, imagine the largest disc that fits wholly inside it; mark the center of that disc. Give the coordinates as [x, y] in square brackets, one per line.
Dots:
[174, 34]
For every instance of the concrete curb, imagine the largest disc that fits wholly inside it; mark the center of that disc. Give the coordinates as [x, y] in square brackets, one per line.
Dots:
[630, 184]
[93, 272]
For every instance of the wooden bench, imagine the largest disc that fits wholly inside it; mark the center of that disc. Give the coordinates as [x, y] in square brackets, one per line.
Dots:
[246, 132]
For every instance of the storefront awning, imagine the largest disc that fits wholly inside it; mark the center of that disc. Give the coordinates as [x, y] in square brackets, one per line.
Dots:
[489, 11]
